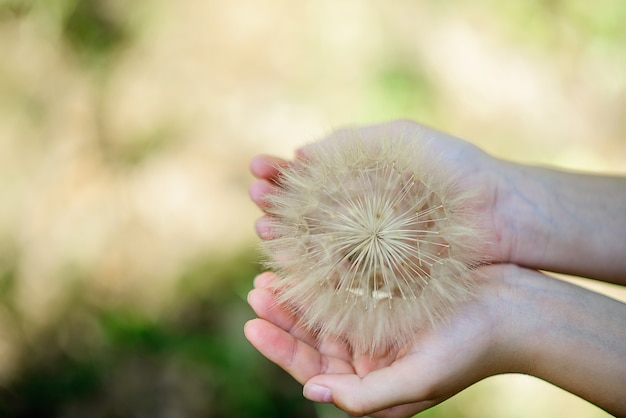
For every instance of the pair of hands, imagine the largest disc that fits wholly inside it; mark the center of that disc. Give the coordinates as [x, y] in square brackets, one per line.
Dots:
[438, 365]
[485, 336]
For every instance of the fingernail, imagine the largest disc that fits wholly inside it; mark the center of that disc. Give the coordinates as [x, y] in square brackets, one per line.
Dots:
[263, 280]
[317, 393]
[264, 228]
[303, 152]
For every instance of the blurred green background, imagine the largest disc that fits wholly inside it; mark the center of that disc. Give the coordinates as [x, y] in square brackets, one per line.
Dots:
[126, 234]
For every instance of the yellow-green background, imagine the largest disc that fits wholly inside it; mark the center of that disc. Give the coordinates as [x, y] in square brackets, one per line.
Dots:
[126, 127]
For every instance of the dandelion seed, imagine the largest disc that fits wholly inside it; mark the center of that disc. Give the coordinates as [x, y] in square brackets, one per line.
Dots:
[370, 241]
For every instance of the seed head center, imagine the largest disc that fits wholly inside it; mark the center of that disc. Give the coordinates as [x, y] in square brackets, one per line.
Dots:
[378, 232]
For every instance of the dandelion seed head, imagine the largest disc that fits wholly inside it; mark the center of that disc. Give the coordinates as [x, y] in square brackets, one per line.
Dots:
[371, 241]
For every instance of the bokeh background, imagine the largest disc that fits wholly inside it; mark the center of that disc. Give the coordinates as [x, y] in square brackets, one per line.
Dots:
[126, 128]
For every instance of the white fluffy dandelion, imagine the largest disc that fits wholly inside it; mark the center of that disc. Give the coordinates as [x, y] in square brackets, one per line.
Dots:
[372, 241]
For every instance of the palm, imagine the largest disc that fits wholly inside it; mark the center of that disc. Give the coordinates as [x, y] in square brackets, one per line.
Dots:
[431, 366]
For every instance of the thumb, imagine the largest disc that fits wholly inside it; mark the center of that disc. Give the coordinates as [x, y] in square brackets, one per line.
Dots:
[358, 396]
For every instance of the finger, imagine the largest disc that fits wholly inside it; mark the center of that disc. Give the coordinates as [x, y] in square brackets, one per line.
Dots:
[267, 167]
[264, 280]
[296, 357]
[264, 304]
[263, 227]
[259, 190]
[378, 391]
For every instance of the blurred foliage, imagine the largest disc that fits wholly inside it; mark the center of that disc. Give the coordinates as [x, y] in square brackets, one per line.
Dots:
[135, 151]
[193, 363]
[93, 30]
[544, 21]
[402, 88]
[15, 8]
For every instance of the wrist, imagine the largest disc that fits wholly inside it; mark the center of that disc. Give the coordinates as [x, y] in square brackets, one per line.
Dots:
[511, 318]
[560, 221]
[521, 214]
[561, 333]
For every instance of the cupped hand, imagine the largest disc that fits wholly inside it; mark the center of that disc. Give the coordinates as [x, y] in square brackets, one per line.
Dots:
[438, 364]
[475, 171]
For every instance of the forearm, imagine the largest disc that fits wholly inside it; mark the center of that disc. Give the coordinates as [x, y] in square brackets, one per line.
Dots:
[571, 337]
[565, 222]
